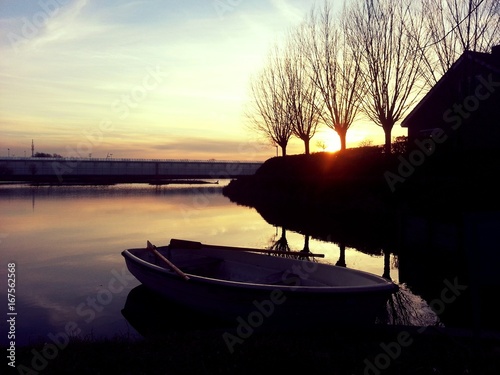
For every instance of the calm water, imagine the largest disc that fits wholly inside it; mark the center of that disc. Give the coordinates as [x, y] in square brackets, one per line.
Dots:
[66, 244]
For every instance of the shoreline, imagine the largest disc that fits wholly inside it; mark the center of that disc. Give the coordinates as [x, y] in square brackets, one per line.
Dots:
[361, 180]
[392, 350]
[105, 182]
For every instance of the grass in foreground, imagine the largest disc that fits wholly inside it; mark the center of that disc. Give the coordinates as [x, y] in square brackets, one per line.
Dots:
[346, 351]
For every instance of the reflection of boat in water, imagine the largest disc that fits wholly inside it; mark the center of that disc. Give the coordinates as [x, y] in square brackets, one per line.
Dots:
[153, 316]
[234, 282]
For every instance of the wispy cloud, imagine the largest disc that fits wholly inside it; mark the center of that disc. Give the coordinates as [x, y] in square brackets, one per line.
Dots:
[69, 71]
[43, 22]
[63, 25]
[293, 13]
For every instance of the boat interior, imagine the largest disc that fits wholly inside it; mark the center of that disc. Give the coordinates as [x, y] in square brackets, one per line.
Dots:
[217, 267]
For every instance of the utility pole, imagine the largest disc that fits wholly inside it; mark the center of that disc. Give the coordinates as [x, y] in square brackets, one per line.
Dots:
[32, 149]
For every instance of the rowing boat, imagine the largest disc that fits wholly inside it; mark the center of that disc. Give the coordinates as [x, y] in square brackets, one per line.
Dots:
[234, 282]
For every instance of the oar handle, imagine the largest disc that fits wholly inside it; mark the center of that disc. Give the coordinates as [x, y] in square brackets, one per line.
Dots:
[168, 262]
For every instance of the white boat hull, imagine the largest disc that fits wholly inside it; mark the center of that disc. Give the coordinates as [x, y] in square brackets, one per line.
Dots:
[231, 285]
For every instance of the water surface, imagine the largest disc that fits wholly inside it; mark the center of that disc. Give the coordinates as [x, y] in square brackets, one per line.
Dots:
[66, 242]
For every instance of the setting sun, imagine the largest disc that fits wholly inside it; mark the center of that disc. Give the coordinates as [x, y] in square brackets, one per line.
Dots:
[327, 144]
[150, 97]
[332, 142]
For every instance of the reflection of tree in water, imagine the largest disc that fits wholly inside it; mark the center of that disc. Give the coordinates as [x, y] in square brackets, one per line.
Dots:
[387, 265]
[406, 308]
[306, 250]
[341, 262]
[281, 244]
[306, 244]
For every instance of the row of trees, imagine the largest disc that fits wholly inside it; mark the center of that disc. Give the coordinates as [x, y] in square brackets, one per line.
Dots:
[46, 155]
[374, 58]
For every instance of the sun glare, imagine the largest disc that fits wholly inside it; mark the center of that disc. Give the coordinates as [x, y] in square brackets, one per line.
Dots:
[328, 143]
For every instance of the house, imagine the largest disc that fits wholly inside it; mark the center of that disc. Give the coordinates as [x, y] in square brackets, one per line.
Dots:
[462, 111]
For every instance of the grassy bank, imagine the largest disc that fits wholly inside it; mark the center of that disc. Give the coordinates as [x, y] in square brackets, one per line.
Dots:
[342, 351]
[334, 180]
[366, 181]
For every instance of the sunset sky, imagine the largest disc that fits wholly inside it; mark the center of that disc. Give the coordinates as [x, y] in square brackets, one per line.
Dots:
[142, 78]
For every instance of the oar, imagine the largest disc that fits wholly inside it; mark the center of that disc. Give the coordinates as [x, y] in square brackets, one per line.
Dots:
[185, 244]
[168, 262]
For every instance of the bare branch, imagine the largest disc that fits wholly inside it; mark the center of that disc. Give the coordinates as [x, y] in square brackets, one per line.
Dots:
[269, 113]
[456, 26]
[335, 69]
[387, 35]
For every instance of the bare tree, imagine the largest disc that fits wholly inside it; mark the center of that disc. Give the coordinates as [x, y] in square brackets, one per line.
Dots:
[387, 35]
[335, 70]
[321, 145]
[302, 95]
[269, 113]
[365, 143]
[456, 26]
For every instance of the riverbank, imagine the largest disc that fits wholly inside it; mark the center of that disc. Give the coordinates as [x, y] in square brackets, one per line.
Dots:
[365, 181]
[440, 222]
[324, 181]
[105, 181]
[387, 350]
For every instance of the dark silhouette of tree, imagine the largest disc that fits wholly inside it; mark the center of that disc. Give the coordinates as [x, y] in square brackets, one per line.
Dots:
[400, 145]
[455, 26]
[387, 34]
[335, 69]
[269, 113]
[321, 145]
[302, 95]
[46, 155]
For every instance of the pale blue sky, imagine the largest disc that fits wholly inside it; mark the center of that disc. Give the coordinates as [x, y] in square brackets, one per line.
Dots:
[150, 78]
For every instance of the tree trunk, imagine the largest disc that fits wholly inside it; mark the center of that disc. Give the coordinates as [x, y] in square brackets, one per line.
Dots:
[306, 146]
[283, 150]
[388, 141]
[342, 135]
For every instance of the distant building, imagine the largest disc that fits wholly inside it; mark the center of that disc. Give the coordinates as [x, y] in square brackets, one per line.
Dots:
[462, 111]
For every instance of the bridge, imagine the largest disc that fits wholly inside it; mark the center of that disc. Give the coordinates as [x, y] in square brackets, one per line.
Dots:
[109, 171]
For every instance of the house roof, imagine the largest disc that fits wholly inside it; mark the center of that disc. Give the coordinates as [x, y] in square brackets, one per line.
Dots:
[490, 61]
